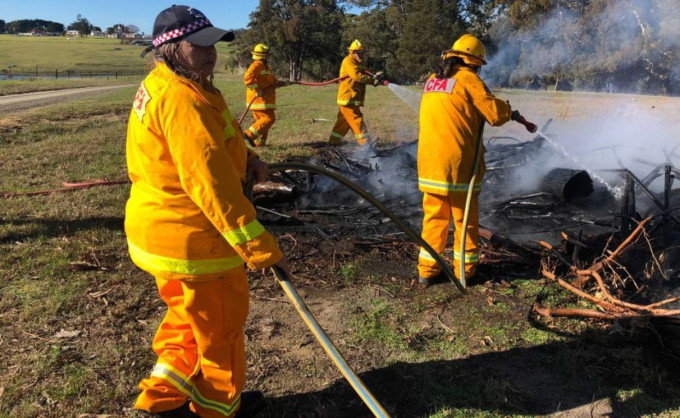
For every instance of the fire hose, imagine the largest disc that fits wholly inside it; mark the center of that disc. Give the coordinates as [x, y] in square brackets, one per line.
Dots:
[301, 83]
[380, 77]
[328, 346]
[375, 202]
[531, 127]
[299, 304]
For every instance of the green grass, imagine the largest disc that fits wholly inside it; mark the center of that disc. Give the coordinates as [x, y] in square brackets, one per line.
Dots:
[60, 53]
[8, 87]
[378, 324]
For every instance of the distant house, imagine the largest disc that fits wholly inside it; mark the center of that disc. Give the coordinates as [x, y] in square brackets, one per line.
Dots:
[133, 36]
[96, 33]
[37, 32]
[72, 32]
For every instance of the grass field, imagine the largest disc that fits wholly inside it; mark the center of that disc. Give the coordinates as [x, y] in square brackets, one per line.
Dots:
[77, 318]
[74, 54]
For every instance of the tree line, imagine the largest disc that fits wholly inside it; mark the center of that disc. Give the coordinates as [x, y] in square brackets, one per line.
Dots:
[593, 45]
[81, 24]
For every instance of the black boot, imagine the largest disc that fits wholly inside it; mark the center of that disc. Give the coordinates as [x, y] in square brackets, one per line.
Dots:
[249, 140]
[252, 402]
[182, 412]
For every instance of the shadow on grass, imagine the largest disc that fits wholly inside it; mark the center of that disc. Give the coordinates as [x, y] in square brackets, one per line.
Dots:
[534, 381]
[28, 229]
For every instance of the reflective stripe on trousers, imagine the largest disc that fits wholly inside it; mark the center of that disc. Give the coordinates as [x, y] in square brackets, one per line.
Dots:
[443, 187]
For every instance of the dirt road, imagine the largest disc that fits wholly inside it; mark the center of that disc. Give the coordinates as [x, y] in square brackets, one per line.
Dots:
[17, 102]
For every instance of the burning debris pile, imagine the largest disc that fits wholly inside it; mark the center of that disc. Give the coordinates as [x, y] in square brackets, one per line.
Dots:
[583, 229]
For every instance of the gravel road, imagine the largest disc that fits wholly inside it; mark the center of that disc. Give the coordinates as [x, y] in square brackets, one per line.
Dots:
[16, 102]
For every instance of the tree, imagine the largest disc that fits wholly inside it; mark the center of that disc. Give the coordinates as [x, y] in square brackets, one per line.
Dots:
[130, 29]
[379, 30]
[54, 27]
[96, 28]
[82, 25]
[25, 25]
[2, 26]
[304, 35]
[430, 27]
[110, 30]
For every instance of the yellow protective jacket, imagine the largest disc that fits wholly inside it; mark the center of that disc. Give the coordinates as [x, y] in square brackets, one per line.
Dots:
[187, 217]
[452, 112]
[260, 77]
[352, 90]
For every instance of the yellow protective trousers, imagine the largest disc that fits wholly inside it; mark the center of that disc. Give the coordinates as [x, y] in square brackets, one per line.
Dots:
[349, 117]
[200, 347]
[438, 211]
[264, 119]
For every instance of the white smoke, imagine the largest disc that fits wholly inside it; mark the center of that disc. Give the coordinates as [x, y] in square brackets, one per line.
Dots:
[619, 36]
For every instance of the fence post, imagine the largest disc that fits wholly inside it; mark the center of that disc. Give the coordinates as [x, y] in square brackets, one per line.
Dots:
[36, 71]
[56, 74]
[116, 74]
[68, 73]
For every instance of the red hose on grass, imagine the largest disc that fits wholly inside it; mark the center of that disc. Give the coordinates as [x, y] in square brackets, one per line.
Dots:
[68, 187]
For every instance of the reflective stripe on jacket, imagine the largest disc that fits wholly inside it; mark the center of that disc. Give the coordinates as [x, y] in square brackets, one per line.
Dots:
[187, 217]
[451, 114]
[258, 77]
[352, 90]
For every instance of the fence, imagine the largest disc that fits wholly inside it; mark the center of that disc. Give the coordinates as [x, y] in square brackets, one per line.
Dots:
[17, 73]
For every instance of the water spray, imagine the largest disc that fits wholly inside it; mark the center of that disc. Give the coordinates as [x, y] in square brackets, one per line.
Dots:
[616, 192]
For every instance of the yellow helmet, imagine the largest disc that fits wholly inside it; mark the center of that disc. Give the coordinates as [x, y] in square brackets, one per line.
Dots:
[261, 51]
[469, 48]
[356, 46]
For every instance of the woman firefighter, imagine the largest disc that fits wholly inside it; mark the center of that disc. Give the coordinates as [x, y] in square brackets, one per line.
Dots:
[351, 93]
[189, 224]
[261, 88]
[456, 103]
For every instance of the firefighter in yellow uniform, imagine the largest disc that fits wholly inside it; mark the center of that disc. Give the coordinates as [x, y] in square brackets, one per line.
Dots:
[261, 88]
[189, 224]
[351, 93]
[455, 105]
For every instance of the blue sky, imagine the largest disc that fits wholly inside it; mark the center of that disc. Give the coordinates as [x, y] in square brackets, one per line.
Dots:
[229, 14]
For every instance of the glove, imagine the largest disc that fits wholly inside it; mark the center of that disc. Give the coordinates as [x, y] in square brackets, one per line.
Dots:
[260, 93]
[377, 78]
[515, 115]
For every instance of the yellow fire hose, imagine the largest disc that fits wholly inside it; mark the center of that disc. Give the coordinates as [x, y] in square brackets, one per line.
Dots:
[328, 346]
[468, 203]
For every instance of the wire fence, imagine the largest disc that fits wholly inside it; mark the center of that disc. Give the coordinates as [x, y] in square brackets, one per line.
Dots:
[18, 73]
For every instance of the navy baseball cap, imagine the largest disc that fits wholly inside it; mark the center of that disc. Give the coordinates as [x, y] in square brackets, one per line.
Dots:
[183, 22]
